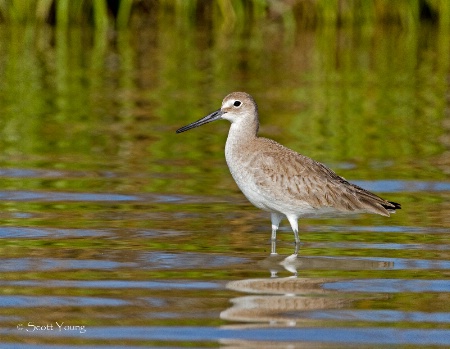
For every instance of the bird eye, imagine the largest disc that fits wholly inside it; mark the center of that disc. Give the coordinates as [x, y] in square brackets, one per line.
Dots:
[237, 103]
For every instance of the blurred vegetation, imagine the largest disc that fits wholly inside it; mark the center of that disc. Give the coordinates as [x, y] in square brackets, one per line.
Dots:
[303, 13]
[74, 97]
[89, 97]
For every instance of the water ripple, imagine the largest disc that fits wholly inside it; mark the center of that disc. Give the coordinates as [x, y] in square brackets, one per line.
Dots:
[386, 186]
[402, 186]
[377, 315]
[57, 196]
[47, 264]
[204, 333]
[389, 285]
[119, 284]
[57, 301]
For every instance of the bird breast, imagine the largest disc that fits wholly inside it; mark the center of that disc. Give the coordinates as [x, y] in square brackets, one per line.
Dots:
[249, 163]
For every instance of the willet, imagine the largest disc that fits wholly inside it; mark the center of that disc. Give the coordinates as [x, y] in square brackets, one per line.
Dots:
[279, 180]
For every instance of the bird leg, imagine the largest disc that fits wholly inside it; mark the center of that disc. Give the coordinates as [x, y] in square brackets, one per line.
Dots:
[293, 220]
[273, 247]
[276, 219]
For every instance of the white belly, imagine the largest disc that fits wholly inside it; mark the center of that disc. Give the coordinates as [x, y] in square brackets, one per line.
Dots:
[265, 198]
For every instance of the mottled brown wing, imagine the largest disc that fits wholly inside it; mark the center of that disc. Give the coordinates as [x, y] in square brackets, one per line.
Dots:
[298, 177]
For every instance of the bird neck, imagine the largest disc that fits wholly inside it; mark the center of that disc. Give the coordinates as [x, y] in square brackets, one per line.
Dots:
[244, 130]
[240, 137]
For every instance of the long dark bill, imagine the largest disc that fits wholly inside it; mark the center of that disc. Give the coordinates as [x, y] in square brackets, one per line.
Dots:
[208, 118]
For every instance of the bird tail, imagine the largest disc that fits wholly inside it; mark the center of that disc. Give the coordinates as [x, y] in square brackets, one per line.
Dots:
[392, 206]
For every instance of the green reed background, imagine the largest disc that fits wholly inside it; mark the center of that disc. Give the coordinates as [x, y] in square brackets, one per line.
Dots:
[232, 12]
[352, 71]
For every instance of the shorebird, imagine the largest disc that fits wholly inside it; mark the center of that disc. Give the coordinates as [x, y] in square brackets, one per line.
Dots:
[281, 181]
